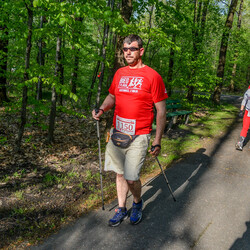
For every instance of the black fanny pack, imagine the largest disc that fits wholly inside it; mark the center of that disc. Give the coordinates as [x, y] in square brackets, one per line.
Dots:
[121, 139]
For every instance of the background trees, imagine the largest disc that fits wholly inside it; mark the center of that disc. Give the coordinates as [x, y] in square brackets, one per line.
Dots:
[182, 42]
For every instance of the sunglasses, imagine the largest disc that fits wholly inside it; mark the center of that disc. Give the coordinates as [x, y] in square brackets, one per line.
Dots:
[132, 49]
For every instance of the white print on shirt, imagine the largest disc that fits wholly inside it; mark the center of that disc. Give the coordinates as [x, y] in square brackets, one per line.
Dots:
[130, 84]
[125, 125]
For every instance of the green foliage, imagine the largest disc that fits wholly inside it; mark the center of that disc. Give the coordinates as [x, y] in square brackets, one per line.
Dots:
[18, 211]
[92, 177]
[50, 179]
[19, 195]
[80, 24]
[73, 174]
[3, 139]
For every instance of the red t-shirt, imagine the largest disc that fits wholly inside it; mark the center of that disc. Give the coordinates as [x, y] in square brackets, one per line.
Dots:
[135, 91]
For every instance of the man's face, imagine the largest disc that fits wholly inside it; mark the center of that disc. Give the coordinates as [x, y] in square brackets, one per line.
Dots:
[132, 53]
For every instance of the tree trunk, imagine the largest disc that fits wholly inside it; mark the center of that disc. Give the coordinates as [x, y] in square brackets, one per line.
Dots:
[104, 44]
[195, 33]
[74, 74]
[93, 82]
[61, 70]
[203, 22]
[119, 59]
[236, 53]
[248, 76]
[41, 60]
[126, 12]
[223, 52]
[150, 26]
[199, 23]
[103, 55]
[171, 58]
[61, 78]
[170, 67]
[195, 26]
[3, 65]
[52, 116]
[26, 76]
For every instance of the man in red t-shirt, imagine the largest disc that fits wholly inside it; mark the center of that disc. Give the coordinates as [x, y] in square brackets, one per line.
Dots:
[134, 92]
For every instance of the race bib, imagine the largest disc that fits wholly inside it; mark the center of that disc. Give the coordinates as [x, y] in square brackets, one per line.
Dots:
[125, 125]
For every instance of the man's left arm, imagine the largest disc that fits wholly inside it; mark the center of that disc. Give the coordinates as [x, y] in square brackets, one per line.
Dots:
[160, 125]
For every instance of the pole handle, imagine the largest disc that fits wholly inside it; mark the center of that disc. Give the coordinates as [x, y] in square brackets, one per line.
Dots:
[96, 111]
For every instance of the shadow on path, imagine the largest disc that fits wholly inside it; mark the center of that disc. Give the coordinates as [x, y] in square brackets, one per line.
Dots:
[166, 224]
[243, 243]
[160, 223]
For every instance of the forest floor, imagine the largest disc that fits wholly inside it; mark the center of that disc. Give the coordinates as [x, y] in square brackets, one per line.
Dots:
[46, 186]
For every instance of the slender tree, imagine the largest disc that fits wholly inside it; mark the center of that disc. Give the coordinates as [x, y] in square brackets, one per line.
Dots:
[223, 51]
[171, 57]
[3, 63]
[100, 63]
[149, 29]
[95, 73]
[41, 61]
[29, 7]
[248, 75]
[236, 52]
[74, 74]
[4, 40]
[103, 51]
[52, 116]
[198, 31]
[126, 12]
[61, 70]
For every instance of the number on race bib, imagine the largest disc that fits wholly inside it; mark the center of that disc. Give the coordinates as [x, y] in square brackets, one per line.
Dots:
[125, 125]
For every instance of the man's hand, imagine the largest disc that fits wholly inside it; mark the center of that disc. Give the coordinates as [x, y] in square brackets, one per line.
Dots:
[108, 104]
[241, 114]
[96, 113]
[155, 150]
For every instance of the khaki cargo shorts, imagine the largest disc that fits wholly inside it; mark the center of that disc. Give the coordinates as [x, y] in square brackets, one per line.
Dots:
[127, 161]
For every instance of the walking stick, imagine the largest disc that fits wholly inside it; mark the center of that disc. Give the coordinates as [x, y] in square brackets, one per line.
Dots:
[100, 158]
[97, 122]
[152, 149]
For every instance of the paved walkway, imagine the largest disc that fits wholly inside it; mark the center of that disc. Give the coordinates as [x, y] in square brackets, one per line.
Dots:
[212, 211]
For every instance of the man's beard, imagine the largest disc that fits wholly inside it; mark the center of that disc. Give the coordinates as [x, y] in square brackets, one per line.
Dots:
[130, 60]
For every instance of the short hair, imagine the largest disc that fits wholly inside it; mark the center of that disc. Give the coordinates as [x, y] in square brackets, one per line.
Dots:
[133, 38]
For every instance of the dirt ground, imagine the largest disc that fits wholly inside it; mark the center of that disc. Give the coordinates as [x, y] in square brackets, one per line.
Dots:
[41, 186]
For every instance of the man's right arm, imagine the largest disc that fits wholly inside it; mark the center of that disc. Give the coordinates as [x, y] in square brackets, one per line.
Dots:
[107, 104]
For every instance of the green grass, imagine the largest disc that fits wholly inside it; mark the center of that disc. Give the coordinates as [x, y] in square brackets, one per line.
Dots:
[213, 124]
[19, 194]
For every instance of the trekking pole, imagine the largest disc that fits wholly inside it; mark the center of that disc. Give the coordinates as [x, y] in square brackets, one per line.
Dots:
[100, 157]
[152, 149]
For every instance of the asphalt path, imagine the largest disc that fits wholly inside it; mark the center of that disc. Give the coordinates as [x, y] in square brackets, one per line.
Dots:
[212, 210]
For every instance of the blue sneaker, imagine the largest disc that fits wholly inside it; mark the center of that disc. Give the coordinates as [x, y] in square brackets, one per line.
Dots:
[118, 217]
[136, 213]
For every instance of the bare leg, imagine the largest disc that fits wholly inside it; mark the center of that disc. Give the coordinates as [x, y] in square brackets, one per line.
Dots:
[135, 189]
[122, 190]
